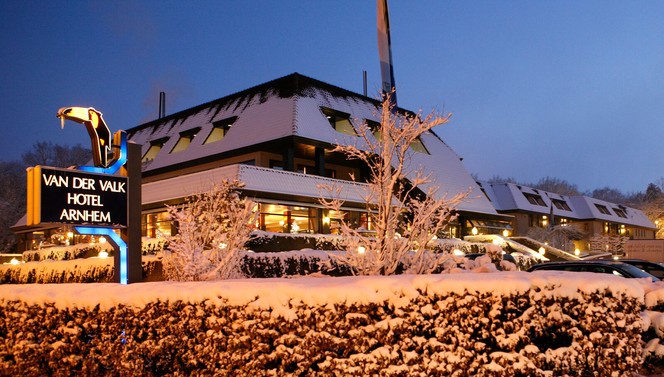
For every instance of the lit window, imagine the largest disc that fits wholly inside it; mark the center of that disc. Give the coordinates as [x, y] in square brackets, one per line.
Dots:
[339, 121]
[219, 129]
[185, 139]
[155, 147]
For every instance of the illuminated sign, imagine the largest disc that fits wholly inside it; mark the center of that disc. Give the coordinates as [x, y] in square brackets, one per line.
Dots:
[75, 197]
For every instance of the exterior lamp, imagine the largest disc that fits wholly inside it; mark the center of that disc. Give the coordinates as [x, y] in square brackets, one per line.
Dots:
[506, 233]
[103, 254]
[361, 249]
[474, 231]
[14, 261]
[577, 252]
[70, 234]
[541, 250]
[102, 240]
[458, 252]
[326, 220]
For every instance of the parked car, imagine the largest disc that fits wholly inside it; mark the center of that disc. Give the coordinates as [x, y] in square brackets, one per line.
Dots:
[654, 269]
[598, 266]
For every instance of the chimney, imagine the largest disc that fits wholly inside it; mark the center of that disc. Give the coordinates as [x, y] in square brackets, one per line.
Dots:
[162, 104]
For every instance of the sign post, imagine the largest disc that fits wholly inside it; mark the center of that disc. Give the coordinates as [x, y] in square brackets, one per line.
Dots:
[100, 200]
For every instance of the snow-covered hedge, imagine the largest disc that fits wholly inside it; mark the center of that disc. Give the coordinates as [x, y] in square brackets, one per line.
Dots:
[507, 324]
[83, 250]
[86, 270]
[653, 316]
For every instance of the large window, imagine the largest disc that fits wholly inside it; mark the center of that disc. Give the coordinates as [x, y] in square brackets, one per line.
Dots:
[156, 224]
[288, 219]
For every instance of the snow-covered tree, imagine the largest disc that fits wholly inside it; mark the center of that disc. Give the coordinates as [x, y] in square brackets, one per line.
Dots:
[606, 243]
[560, 236]
[406, 209]
[213, 228]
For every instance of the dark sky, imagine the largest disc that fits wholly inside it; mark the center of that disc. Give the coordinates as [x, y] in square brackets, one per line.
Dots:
[568, 89]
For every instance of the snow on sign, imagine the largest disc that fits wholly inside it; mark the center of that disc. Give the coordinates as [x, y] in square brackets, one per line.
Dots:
[75, 197]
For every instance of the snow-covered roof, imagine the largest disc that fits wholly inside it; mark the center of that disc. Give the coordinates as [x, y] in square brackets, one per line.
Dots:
[291, 106]
[255, 178]
[508, 197]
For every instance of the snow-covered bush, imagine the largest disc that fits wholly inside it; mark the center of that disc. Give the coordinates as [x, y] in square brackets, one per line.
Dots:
[407, 210]
[508, 324]
[213, 227]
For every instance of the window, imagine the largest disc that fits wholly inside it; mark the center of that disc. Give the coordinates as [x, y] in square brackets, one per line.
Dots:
[534, 199]
[602, 209]
[418, 146]
[185, 139]
[620, 213]
[561, 205]
[155, 147]
[374, 127]
[339, 121]
[219, 129]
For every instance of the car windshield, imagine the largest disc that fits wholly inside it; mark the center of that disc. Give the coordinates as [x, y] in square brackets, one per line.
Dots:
[636, 272]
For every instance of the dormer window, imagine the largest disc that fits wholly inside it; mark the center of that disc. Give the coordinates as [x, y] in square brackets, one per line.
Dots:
[185, 139]
[561, 205]
[620, 213]
[375, 128]
[603, 209]
[534, 199]
[219, 129]
[339, 121]
[155, 147]
[418, 146]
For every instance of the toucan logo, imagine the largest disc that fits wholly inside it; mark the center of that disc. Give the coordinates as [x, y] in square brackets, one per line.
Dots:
[100, 134]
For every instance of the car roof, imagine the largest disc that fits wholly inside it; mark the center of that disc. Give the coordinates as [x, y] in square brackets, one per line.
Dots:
[625, 267]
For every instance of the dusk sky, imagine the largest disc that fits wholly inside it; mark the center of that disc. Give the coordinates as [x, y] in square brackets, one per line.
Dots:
[567, 89]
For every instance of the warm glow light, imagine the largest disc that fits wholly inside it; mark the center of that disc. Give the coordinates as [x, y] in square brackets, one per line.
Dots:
[458, 252]
[326, 220]
[102, 239]
[103, 254]
[222, 245]
[506, 233]
[70, 234]
[434, 237]
[361, 250]
[615, 257]
[542, 251]
[474, 231]
[577, 252]
[14, 261]
[496, 241]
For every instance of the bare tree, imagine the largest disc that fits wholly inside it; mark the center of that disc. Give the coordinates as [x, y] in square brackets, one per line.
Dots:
[12, 201]
[403, 227]
[213, 228]
[49, 154]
